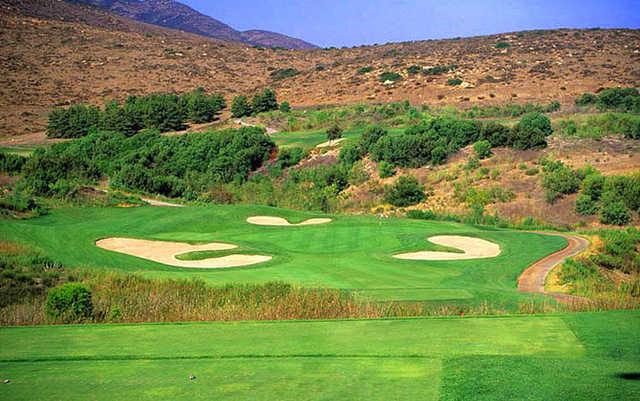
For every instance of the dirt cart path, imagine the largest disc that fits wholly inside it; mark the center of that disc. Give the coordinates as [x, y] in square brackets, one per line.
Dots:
[533, 279]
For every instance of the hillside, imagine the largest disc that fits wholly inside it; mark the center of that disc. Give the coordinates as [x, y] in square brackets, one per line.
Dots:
[57, 53]
[175, 15]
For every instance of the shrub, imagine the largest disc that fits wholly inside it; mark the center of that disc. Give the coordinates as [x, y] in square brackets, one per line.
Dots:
[240, 107]
[454, 81]
[264, 101]
[10, 163]
[371, 136]
[472, 163]
[414, 69]
[389, 76]
[586, 99]
[559, 180]
[502, 45]
[621, 99]
[531, 131]
[421, 214]
[69, 303]
[285, 107]
[405, 192]
[496, 134]
[531, 171]
[615, 213]
[334, 132]
[592, 186]
[439, 69]
[386, 170]
[351, 153]
[623, 188]
[284, 73]
[482, 149]
[364, 70]
[586, 206]
[288, 157]
[73, 122]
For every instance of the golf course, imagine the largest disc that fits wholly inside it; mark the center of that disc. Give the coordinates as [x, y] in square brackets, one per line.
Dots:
[551, 357]
[361, 254]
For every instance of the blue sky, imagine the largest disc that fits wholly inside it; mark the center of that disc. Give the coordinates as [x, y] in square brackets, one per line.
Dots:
[355, 22]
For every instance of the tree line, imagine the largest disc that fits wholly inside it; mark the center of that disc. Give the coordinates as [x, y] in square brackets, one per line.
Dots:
[163, 112]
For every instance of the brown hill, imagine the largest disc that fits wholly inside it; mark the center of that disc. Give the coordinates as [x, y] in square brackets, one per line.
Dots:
[55, 53]
[175, 15]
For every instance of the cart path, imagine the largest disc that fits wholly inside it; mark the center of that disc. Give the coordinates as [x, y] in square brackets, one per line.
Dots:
[533, 279]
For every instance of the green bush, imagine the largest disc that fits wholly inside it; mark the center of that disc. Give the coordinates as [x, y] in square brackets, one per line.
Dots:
[389, 76]
[615, 213]
[69, 303]
[371, 136]
[454, 81]
[351, 153]
[502, 45]
[264, 101]
[10, 163]
[288, 157]
[73, 122]
[386, 170]
[558, 180]
[532, 131]
[414, 69]
[586, 206]
[200, 107]
[439, 69]
[285, 107]
[364, 70]
[405, 192]
[482, 149]
[586, 99]
[421, 215]
[592, 186]
[334, 132]
[240, 107]
[284, 73]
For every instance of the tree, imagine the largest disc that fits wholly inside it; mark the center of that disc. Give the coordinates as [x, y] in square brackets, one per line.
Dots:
[334, 132]
[264, 101]
[119, 119]
[240, 107]
[405, 192]
[74, 122]
[370, 137]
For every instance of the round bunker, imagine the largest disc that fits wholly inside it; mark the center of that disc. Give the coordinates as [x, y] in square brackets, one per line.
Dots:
[279, 221]
[474, 248]
[165, 252]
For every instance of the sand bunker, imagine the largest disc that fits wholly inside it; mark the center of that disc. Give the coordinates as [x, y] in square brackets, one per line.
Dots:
[165, 252]
[474, 248]
[279, 221]
[330, 143]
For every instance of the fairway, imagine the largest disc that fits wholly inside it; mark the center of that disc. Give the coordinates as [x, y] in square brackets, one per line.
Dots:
[418, 359]
[350, 252]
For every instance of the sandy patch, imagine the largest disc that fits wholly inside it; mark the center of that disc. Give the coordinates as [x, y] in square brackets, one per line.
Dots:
[165, 252]
[330, 143]
[279, 221]
[474, 248]
[155, 202]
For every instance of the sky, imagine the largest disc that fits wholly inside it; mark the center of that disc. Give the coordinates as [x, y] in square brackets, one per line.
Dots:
[356, 22]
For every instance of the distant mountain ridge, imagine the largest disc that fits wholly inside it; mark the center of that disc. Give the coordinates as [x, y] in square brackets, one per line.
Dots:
[175, 15]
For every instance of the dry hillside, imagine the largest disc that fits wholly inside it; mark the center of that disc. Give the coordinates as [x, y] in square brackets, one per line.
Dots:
[55, 53]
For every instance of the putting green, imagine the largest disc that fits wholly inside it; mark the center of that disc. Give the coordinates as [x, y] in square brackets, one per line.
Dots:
[352, 252]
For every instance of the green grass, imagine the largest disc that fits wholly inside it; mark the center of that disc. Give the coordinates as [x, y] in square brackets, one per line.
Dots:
[21, 150]
[352, 252]
[554, 357]
[309, 139]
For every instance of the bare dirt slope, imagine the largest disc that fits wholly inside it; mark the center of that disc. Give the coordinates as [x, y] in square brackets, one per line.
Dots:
[55, 53]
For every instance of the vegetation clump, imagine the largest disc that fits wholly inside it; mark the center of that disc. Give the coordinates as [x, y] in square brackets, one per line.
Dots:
[406, 191]
[284, 73]
[616, 99]
[389, 76]
[69, 303]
